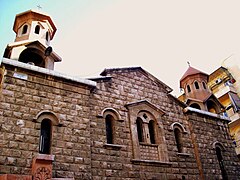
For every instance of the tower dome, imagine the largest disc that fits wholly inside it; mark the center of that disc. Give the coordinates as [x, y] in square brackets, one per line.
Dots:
[196, 92]
[33, 25]
[194, 83]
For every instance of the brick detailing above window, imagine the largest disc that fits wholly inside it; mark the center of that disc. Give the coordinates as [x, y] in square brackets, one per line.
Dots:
[111, 116]
[47, 119]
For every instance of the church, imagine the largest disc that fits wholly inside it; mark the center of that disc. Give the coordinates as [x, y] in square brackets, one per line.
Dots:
[124, 124]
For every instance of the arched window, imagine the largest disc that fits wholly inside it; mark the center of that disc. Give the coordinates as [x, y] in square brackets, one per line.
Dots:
[47, 35]
[139, 129]
[25, 28]
[47, 119]
[45, 136]
[109, 128]
[196, 85]
[151, 127]
[178, 130]
[188, 88]
[111, 117]
[146, 128]
[1, 77]
[178, 139]
[204, 85]
[37, 29]
[221, 162]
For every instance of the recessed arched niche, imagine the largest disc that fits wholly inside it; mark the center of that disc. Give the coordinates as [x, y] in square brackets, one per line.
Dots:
[32, 56]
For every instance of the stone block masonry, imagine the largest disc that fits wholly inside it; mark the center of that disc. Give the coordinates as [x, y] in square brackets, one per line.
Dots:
[22, 100]
[87, 146]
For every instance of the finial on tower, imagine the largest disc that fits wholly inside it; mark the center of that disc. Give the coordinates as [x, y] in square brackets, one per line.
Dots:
[39, 7]
[188, 63]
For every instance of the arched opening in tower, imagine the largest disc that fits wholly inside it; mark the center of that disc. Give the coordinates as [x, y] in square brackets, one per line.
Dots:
[32, 56]
[212, 107]
[196, 106]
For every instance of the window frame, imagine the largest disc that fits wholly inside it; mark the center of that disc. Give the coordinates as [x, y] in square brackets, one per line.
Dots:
[47, 36]
[45, 133]
[37, 29]
[152, 129]
[188, 88]
[139, 124]
[109, 124]
[219, 150]
[204, 85]
[24, 29]
[42, 115]
[160, 154]
[149, 125]
[183, 131]
[112, 123]
[196, 84]
[178, 139]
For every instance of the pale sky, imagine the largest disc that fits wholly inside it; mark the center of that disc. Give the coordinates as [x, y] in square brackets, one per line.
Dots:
[160, 36]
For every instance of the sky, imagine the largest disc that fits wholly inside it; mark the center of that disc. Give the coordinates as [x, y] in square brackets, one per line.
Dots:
[160, 36]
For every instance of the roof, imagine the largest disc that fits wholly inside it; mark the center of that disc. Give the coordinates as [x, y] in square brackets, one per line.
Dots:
[106, 71]
[221, 68]
[221, 71]
[190, 109]
[40, 16]
[147, 103]
[48, 72]
[192, 71]
[204, 100]
[100, 78]
[27, 43]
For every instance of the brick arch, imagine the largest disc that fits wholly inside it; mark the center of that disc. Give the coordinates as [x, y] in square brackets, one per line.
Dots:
[178, 125]
[47, 115]
[218, 144]
[112, 112]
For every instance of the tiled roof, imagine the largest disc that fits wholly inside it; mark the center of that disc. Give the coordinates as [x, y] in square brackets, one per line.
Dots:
[191, 71]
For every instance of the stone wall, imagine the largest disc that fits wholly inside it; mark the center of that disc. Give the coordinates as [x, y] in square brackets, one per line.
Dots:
[79, 136]
[23, 98]
[124, 87]
[207, 132]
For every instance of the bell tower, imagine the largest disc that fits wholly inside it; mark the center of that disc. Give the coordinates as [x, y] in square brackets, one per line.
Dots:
[194, 83]
[34, 32]
[196, 92]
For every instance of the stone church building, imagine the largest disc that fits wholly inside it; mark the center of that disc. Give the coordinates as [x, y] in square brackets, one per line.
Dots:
[124, 124]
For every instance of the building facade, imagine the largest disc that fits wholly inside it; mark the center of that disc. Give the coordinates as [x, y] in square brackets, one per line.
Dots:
[124, 124]
[222, 84]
